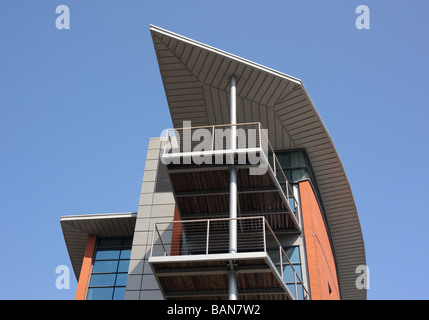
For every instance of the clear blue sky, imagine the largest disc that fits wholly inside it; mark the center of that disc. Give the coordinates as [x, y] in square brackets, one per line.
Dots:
[78, 106]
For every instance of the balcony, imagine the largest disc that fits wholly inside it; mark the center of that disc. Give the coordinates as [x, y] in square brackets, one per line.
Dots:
[197, 160]
[190, 260]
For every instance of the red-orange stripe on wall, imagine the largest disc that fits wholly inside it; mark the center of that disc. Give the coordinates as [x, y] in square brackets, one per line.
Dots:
[176, 237]
[320, 259]
[85, 270]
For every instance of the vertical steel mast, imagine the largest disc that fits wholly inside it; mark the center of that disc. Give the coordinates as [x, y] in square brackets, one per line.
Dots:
[233, 286]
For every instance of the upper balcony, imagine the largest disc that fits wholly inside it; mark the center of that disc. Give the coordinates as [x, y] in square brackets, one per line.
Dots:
[191, 260]
[198, 159]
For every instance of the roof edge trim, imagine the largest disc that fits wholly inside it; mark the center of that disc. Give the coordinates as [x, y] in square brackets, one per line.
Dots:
[225, 53]
[99, 216]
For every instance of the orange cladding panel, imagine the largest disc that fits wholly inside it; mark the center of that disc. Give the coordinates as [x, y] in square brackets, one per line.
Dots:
[176, 238]
[320, 260]
[85, 270]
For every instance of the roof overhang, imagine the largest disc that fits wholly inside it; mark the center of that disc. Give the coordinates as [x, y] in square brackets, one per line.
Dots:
[77, 228]
[196, 82]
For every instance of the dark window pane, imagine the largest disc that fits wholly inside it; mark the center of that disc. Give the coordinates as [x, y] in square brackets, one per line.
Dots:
[297, 159]
[279, 174]
[284, 159]
[281, 179]
[103, 280]
[109, 243]
[99, 294]
[107, 254]
[123, 265]
[119, 293]
[299, 174]
[121, 279]
[274, 254]
[288, 174]
[270, 158]
[127, 242]
[105, 266]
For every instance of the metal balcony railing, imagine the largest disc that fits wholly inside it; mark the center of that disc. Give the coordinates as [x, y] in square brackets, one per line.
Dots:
[211, 236]
[199, 145]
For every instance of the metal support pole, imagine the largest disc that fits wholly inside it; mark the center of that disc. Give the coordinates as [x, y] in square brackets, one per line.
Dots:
[208, 236]
[274, 165]
[281, 262]
[263, 234]
[233, 289]
[233, 113]
[233, 211]
[233, 285]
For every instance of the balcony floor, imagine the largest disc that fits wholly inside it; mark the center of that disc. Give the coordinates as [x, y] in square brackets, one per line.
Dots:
[206, 276]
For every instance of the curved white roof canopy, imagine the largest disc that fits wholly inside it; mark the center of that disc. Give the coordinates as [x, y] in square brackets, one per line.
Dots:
[196, 82]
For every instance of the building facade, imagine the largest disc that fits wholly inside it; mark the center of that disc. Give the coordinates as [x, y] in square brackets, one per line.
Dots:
[245, 198]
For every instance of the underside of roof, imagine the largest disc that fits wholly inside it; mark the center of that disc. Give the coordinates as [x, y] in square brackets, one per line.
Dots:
[196, 82]
[77, 228]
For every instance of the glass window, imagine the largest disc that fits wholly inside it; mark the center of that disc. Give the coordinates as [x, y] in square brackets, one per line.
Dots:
[110, 269]
[288, 273]
[299, 174]
[291, 288]
[297, 159]
[127, 242]
[119, 293]
[102, 280]
[107, 254]
[294, 165]
[293, 254]
[288, 174]
[105, 266]
[121, 279]
[109, 243]
[292, 203]
[123, 265]
[125, 254]
[99, 294]
[284, 159]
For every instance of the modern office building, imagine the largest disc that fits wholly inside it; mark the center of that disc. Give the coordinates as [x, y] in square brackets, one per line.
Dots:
[245, 198]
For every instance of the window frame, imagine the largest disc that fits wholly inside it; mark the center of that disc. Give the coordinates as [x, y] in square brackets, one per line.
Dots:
[120, 268]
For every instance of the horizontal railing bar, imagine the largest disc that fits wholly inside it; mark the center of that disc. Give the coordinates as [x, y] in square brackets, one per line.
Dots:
[215, 126]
